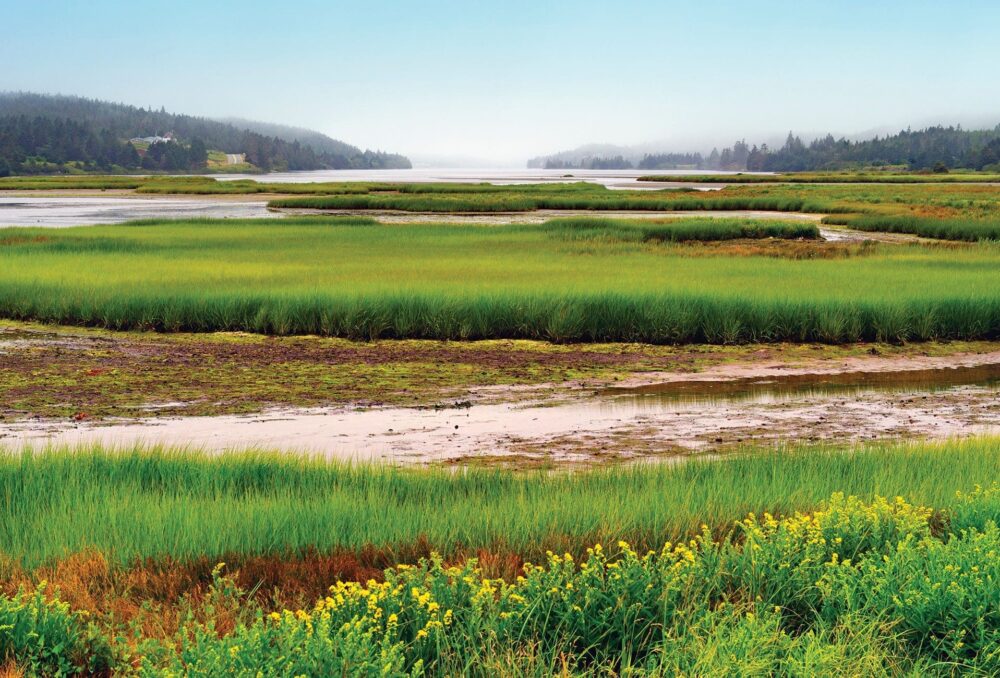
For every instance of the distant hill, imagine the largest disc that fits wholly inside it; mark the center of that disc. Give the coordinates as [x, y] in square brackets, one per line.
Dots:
[935, 147]
[583, 157]
[52, 133]
[307, 137]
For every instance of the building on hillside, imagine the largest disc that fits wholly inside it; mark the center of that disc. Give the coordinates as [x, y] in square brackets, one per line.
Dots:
[156, 139]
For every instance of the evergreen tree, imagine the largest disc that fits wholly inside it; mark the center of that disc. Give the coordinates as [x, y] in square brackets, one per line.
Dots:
[197, 153]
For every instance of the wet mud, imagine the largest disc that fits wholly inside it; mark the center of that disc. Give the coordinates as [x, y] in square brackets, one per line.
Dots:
[655, 415]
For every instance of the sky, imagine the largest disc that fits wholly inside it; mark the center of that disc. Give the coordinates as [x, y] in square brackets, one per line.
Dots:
[501, 81]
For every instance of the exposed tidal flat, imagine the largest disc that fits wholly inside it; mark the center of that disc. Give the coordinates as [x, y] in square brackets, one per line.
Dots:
[516, 404]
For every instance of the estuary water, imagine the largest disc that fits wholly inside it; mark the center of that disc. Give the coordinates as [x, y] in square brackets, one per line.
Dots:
[624, 179]
[64, 211]
[54, 209]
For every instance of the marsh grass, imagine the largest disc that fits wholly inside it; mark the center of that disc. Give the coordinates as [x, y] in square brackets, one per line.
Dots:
[934, 210]
[153, 503]
[564, 281]
[679, 230]
[31, 183]
[526, 201]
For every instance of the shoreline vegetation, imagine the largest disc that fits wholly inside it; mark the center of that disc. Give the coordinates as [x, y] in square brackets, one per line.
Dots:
[139, 503]
[877, 559]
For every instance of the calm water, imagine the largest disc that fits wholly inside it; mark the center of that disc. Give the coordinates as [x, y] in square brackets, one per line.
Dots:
[49, 211]
[55, 212]
[610, 178]
[791, 387]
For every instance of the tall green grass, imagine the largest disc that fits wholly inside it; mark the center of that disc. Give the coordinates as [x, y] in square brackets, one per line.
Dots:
[680, 230]
[69, 182]
[140, 503]
[527, 201]
[356, 279]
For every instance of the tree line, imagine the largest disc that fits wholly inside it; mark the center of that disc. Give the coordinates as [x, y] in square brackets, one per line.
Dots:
[934, 148]
[931, 149]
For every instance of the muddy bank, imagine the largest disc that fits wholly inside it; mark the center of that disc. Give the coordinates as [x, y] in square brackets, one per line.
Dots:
[524, 403]
[846, 235]
[586, 429]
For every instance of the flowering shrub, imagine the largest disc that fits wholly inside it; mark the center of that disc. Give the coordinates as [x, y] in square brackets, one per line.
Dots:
[862, 588]
[41, 636]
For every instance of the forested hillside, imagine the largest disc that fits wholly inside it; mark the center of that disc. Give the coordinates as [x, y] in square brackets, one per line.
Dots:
[43, 134]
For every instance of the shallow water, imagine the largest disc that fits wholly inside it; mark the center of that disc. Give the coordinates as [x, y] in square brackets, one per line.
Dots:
[695, 416]
[610, 178]
[785, 387]
[64, 211]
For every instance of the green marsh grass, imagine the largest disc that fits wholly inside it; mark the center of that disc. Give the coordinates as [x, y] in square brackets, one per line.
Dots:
[688, 230]
[154, 503]
[357, 279]
[526, 201]
[82, 181]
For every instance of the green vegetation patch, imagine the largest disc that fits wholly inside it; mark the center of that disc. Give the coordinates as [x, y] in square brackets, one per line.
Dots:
[855, 587]
[352, 278]
[680, 230]
[555, 199]
[137, 504]
[754, 563]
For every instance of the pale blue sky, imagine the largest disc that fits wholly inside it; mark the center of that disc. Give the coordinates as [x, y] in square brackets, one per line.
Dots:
[505, 80]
